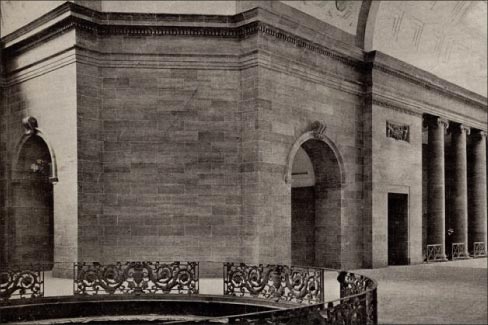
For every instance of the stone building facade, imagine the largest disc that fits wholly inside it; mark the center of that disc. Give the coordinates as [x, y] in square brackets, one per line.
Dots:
[254, 132]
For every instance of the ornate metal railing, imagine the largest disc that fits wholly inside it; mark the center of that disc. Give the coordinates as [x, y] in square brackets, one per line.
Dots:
[347, 311]
[434, 253]
[275, 282]
[479, 249]
[459, 251]
[358, 307]
[136, 278]
[353, 284]
[358, 299]
[295, 294]
[18, 282]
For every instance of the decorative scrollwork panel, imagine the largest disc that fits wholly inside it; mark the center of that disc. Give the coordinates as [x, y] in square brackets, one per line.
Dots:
[347, 311]
[136, 278]
[353, 284]
[21, 282]
[274, 282]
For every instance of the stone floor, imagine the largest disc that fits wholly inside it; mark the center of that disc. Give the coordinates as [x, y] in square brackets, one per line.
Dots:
[439, 293]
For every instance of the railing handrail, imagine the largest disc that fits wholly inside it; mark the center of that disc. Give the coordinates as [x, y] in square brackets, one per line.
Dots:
[258, 313]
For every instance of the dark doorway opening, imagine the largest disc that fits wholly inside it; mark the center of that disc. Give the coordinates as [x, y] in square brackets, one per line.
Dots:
[303, 226]
[397, 229]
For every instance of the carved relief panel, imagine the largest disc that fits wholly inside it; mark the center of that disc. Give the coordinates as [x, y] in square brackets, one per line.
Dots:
[398, 131]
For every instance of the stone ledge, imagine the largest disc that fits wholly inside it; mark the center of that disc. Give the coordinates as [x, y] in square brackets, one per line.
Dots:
[387, 64]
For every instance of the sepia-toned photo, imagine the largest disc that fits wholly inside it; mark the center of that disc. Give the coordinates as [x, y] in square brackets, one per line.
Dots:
[243, 162]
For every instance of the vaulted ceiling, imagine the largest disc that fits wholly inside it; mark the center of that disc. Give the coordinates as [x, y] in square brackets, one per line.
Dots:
[446, 38]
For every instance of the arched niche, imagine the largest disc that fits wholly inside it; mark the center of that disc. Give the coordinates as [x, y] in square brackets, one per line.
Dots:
[316, 199]
[31, 202]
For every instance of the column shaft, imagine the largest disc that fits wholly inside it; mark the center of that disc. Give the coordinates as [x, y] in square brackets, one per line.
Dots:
[459, 212]
[478, 205]
[436, 183]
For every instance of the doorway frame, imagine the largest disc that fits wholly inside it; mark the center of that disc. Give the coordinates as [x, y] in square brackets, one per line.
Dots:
[399, 189]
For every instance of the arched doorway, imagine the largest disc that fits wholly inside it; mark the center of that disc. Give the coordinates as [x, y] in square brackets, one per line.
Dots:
[31, 226]
[316, 203]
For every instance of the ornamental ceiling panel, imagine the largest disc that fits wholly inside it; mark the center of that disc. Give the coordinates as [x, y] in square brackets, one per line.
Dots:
[446, 38]
[341, 14]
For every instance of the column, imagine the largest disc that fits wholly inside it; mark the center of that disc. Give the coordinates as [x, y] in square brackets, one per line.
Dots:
[459, 209]
[436, 218]
[478, 204]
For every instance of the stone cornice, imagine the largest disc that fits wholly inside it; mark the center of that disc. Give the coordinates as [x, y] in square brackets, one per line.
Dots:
[389, 65]
[307, 44]
[115, 18]
[70, 16]
[238, 26]
[130, 30]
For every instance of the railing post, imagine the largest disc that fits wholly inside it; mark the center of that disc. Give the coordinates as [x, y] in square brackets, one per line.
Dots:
[74, 277]
[224, 278]
[341, 278]
[372, 307]
[322, 285]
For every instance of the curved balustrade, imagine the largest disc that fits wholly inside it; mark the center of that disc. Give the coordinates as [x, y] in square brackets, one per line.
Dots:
[252, 294]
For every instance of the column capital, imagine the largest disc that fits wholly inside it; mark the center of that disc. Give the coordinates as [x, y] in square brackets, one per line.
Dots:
[431, 121]
[479, 134]
[460, 128]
